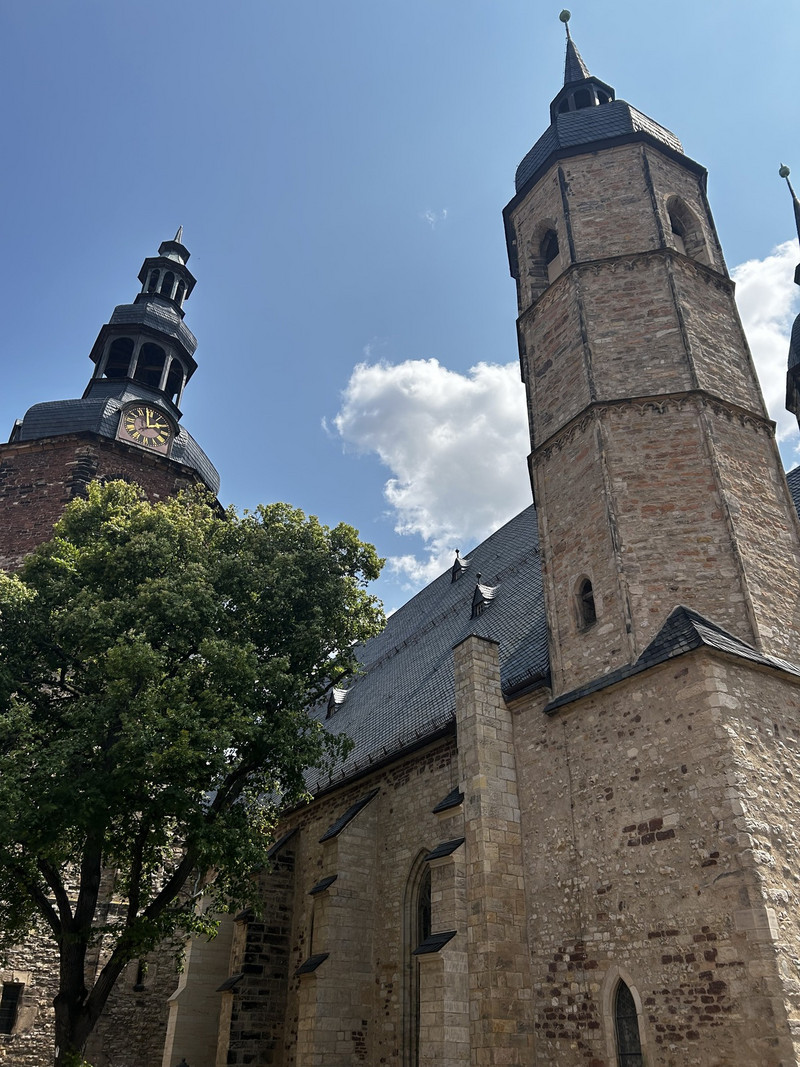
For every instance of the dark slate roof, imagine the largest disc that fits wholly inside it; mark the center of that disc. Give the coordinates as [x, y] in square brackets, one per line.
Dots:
[159, 315]
[445, 848]
[406, 690]
[434, 943]
[575, 70]
[683, 631]
[452, 800]
[336, 828]
[576, 129]
[99, 414]
[310, 965]
[324, 884]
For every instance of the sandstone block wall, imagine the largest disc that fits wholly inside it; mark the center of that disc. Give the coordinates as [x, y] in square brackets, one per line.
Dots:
[657, 832]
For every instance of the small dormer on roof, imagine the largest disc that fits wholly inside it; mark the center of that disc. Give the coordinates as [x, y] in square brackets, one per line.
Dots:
[482, 597]
[335, 700]
[459, 566]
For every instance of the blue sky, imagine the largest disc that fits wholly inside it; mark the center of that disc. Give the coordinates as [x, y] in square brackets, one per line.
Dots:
[340, 169]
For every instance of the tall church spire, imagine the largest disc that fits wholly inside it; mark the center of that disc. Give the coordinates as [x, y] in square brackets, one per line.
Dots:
[575, 70]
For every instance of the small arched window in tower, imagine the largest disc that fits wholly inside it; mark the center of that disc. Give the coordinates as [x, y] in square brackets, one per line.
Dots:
[686, 232]
[563, 107]
[150, 365]
[587, 612]
[180, 293]
[167, 284]
[119, 358]
[548, 250]
[152, 282]
[602, 98]
[626, 1027]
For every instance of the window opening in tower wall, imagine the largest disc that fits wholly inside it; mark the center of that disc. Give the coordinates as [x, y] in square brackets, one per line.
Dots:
[587, 613]
[9, 1005]
[626, 1025]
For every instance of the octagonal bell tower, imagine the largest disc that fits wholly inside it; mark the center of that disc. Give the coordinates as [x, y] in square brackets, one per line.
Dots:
[653, 461]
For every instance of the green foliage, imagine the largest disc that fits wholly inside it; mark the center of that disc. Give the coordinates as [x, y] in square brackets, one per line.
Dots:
[156, 663]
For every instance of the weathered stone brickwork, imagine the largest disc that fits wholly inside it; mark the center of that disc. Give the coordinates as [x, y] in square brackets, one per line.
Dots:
[39, 478]
[666, 819]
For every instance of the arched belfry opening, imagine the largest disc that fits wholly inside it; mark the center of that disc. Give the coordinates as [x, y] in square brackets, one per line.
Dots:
[586, 609]
[685, 230]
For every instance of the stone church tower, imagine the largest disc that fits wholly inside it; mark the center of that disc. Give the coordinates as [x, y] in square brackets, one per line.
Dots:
[566, 832]
[126, 425]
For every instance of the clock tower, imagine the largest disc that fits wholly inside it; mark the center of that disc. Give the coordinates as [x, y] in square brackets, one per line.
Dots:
[126, 425]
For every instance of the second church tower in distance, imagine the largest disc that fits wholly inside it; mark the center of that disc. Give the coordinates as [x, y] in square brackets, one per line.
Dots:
[653, 461]
[126, 425]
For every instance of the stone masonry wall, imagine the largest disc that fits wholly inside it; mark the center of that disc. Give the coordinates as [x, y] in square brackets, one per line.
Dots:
[39, 478]
[657, 819]
[350, 1010]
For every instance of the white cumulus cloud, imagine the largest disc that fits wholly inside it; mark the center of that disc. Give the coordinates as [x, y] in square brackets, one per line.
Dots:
[768, 302]
[455, 445]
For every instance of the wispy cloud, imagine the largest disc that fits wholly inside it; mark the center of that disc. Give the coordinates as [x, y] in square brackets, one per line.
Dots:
[434, 217]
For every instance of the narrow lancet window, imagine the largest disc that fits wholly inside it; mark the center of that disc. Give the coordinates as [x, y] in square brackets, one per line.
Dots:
[587, 613]
[626, 1025]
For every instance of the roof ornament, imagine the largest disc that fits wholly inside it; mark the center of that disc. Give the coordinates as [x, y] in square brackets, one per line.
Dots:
[784, 173]
[482, 597]
[458, 568]
[575, 70]
[179, 235]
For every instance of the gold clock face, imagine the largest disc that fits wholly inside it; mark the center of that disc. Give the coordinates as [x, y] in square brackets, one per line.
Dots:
[147, 427]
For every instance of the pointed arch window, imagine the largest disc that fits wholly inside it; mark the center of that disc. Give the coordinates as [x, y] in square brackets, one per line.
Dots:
[686, 232]
[626, 1028]
[417, 921]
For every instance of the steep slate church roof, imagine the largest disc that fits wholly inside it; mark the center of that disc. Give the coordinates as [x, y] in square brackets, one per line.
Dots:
[405, 693]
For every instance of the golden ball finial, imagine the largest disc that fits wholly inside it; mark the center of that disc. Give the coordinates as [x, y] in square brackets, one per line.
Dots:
[565, 15]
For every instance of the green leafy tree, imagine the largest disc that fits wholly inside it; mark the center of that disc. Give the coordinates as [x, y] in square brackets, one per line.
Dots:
[156, 664]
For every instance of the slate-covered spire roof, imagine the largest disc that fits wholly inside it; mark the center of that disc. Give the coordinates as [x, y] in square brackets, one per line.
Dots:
[575, 70]
[793, 367]
[784, 173]
[585, 111]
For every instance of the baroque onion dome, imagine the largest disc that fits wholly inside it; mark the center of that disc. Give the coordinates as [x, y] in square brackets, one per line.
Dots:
[793, 370]
[143, 357]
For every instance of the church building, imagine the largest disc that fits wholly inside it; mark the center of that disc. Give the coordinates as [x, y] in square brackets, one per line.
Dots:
[567, 830]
